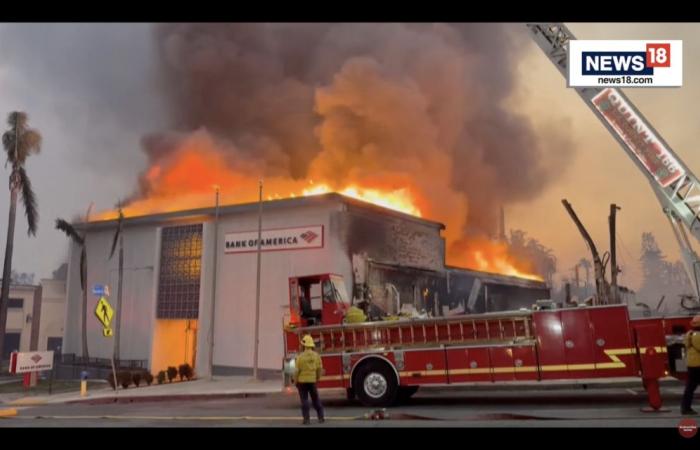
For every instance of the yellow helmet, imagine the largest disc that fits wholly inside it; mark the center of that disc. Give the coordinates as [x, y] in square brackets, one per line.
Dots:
[308, 341]
[695, 322]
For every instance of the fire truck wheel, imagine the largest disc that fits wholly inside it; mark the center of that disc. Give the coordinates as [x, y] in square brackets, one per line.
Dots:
[375, 384]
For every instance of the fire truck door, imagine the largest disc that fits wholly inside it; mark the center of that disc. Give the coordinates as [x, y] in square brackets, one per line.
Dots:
[578, 343]
[550, 345]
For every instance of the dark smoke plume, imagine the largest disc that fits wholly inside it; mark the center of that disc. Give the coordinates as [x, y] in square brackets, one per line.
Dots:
[349, 102]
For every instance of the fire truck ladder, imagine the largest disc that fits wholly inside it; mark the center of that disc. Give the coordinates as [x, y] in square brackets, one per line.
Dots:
[483, 329]
[680, 199]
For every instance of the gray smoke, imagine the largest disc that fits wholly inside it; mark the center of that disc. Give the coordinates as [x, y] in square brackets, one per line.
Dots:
[348, 102]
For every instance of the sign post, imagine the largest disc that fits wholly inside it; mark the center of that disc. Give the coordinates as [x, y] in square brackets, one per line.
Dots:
[104, 313]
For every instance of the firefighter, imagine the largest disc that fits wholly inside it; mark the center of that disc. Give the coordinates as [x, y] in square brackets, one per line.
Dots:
[308, 371]
[692, 345]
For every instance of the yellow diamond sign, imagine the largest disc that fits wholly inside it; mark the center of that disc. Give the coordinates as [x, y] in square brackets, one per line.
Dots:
[104, 312]
[107, 332]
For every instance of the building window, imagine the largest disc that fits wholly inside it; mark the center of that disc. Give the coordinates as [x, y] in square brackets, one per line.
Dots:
[15, 303]
[180, 270]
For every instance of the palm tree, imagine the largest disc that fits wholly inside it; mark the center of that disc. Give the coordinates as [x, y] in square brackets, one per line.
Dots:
[118, 236]
[71, 232]
[19, 143]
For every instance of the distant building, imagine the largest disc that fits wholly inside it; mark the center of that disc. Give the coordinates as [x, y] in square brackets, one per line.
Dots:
[35, 317]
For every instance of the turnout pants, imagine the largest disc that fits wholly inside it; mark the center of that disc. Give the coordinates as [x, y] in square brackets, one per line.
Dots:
[304, 390]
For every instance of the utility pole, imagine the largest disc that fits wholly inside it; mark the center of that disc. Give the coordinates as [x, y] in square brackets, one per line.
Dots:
[614, 270]
[257, 289]
[602, 288]
[213, 287]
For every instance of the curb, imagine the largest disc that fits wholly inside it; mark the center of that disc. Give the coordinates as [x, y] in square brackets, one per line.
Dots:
[167, 398]
[27, 402]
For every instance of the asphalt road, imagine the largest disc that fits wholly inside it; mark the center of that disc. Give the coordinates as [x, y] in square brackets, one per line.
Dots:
[616, 407]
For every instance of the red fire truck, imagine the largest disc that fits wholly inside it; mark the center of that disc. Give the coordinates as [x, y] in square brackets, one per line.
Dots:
[381, 362]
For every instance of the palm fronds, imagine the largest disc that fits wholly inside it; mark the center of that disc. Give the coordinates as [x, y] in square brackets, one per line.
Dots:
[29, 200]
[117, 232]
[70, 231]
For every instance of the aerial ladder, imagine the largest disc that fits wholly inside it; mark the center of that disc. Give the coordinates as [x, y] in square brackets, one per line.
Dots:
[675, 185]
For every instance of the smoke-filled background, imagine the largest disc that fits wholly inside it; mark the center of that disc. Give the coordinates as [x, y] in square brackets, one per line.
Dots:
[417, 107]
[464, 118]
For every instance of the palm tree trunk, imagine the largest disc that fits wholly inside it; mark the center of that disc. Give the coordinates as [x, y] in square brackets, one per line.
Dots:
[86, 354]
[7, 269]
[117, 328]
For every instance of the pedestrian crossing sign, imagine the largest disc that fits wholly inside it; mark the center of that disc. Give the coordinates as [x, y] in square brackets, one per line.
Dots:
[104, 312]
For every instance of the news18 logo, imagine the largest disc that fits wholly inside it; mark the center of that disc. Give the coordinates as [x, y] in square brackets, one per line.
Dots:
[625, 63]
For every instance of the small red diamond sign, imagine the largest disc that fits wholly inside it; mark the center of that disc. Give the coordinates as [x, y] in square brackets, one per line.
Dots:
[35, 358]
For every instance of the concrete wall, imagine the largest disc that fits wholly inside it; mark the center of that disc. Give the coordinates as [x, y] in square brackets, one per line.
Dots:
[392, 239]
[17, 318]
[236, 285]
[138, 298]
[53, 305]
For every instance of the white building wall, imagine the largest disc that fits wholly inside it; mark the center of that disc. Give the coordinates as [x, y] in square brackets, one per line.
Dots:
[236, 284]
[53, 306]
[19, 319]
[137, 300]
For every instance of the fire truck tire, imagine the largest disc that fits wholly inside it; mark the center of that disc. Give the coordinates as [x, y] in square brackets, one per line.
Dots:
[375, 384]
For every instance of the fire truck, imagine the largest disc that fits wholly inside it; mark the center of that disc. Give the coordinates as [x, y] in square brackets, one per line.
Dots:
[384, 361]
[381, 362]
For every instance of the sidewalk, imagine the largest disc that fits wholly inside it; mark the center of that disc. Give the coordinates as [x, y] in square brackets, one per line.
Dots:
[244, 386]
[219, 387]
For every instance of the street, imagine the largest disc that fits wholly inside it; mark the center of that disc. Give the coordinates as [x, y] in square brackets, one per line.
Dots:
[600, 407]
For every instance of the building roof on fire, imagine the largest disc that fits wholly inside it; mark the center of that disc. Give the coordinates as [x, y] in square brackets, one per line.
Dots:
[332, 197]
[496, 278]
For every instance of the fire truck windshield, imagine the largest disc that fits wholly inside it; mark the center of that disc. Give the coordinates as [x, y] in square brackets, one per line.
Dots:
[341, 291]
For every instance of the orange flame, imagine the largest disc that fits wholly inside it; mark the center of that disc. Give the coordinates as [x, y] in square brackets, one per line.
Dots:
[185, 181]
[489, 256]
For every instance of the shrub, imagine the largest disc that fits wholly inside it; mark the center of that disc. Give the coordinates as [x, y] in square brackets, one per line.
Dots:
[148, 377]
[185, 371]
[110, 380]
[136, 377]
[124, 379]
[172, 373]
[161, 377]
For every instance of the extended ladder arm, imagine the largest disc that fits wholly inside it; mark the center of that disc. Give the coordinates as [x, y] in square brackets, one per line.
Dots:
[674, 184]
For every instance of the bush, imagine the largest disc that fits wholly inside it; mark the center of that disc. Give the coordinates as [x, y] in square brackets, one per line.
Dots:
[110, 380]
[148, 377]
[136, 377]
[185, 371]
[172, 373]
[124, 379]
[161, 377]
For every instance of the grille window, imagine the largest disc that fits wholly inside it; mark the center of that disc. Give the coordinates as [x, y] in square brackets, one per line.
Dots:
[180, 270]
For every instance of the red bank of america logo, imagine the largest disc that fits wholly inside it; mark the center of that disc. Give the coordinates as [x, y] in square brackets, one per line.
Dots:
[309, 236]
[35, 358]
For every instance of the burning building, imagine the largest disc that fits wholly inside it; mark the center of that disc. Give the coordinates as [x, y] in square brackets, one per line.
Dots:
[170, 259]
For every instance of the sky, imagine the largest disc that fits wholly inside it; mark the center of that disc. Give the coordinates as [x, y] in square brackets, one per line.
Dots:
[93, 91]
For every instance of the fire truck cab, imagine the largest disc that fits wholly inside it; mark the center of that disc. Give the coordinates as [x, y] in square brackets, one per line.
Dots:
[317, 300]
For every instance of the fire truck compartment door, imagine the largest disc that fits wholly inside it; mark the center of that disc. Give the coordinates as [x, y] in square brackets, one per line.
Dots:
[578, 342]
[550, 345]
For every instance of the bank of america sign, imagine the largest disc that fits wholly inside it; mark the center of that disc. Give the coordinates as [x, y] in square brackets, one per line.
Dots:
[275, 239]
